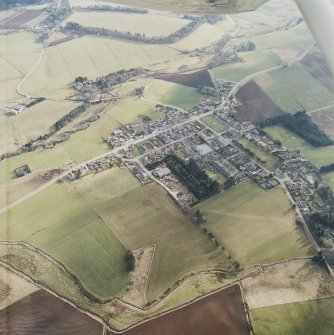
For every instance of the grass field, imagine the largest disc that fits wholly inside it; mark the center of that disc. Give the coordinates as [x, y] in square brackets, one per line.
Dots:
[18, 53]
[325, 120]
[147, 216]
[148, 24]
[271, 162]
[98, 56]
[74, 235]
[254, 225]
[8, 13]
[214, 123]
[307, 318]
[253, 62]
[294, 89]
[318, 156]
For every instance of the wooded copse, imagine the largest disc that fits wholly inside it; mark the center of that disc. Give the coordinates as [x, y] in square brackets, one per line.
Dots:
[301, 124]
[196, 180]
[327, 168]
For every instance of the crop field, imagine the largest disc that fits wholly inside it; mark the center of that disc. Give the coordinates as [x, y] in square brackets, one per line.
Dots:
[147, 216]
[18, 53]
[43, 313]
[98, 56]
[204, 36]
[271, 162]
[7, 134]
[150, 25]
[294, 89]
[13, 288]
[256, 105]
[307, 318]
[220, 313]
[214, 123]
[254, 224]
[253, 62]
[8, 13]
[317, 156]
[288, 282]
[325, 121]
[74, 235]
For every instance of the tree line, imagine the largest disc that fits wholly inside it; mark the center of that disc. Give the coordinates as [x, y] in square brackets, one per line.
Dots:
[69, 117]
[196, 180]
[301, 124]
[327, 168]
[35, 102]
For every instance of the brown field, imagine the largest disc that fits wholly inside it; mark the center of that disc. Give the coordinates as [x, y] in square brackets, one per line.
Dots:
[221, 313]
[316, 65]
[24, 17]
[194, 79]
[256, 105]
[41, 313]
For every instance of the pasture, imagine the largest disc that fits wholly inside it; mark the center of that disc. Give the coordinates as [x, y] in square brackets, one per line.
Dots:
[98, 56]
[74, 235]
[147, 216]
[252, 62]
[253, 224]
[317, 156]
[214, 123]
[147, 24]
[294, 89]
[307, 318]
[325, 121]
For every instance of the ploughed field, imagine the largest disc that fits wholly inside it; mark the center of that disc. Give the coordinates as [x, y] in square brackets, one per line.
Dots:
[221, 313]
[41, 313]
[24, 17]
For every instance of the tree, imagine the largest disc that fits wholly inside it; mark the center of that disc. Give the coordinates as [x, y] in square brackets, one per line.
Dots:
[199, 217]
[129, 260]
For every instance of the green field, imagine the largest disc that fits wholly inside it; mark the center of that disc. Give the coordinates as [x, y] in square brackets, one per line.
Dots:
[306, 318]
[294, 89]
[271, 162]
[214, 123]
[147, 216]
[62, 223]
[254, 224]
[317, 156]
[325, 121]
[253, 62]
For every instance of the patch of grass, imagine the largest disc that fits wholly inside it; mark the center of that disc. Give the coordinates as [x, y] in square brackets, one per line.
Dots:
[271, 162]
[214, 123]
[147, 216]
[64, 225]
[294, 89]
[307, 318]
[254, 224]
[318, 156]
[253, 62]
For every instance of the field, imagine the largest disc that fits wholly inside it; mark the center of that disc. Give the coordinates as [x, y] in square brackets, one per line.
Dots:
[289, 282]
[253, 62]
[150, 25]
[147, 216]
[214, 123]
[24, 17]
[43, 313]
[195, 79]
[13, 288]
[18, 53]
[325, 121]
[294, 89]
[271, 162]
[8, 13]
[254, 224]
[98, 56]
[317, 156]
[74, 235]
[307, 318]
[220, 313]
[256, 105]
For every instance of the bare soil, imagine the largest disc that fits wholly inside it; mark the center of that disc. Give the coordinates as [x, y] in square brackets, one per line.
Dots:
[221, 313]
[195, 79]
[256, 104]
[41, 313]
